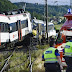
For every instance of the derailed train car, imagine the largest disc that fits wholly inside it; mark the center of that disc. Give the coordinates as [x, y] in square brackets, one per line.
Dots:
[14, 27]
[42, 27]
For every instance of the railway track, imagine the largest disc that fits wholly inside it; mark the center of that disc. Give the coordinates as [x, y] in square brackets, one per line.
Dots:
[6, 62]
[23, 48]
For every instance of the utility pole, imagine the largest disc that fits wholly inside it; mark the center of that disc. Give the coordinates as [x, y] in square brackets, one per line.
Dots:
[46, 19]
[44, 12]
[24, 6]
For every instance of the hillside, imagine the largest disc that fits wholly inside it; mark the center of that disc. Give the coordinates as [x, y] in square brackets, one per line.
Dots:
[6, 5]
[38, 10]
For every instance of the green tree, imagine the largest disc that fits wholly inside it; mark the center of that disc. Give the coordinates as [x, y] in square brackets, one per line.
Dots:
[6, 5]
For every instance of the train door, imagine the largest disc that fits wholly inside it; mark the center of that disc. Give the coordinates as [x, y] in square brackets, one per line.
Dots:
[19, 31]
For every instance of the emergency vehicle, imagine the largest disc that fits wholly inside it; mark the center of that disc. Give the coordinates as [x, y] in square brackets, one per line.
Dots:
[65, 34]
[66, 29]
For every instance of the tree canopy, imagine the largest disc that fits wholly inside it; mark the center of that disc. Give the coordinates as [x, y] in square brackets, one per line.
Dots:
[6, 5]
[37, 9]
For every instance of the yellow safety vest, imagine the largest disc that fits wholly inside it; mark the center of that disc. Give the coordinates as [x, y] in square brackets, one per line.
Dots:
[34, 32]
[68, 49]
[49, 55]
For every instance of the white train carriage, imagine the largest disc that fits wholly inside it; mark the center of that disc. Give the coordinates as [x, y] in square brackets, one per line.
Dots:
[51, 30]
[4, 33]
[15, 28]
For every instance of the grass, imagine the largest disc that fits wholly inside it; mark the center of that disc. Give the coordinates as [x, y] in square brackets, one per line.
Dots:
[3, 57]
[58, 26]
[19, 57]
[38, 65]
[42, 46]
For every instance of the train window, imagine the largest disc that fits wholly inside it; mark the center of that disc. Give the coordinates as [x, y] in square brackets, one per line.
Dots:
[13, 27]
[24, 23]
[4, 27]
[42, 27]
[50, 27]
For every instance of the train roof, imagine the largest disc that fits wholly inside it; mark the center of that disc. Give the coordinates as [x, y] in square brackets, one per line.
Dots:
[41, 22]
[4, 18]
[49, 24]
[38, 21]
[14, 16]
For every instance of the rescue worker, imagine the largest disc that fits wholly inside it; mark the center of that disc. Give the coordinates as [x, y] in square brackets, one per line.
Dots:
[52, 59]
[68, 55]
[59, 39]
[43, 39]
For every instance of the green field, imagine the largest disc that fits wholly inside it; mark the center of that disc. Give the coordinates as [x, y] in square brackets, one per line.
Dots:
[19, 63]
[58, 26]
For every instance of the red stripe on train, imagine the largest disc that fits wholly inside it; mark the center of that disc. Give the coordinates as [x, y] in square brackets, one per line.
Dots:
[0, 35]
[0, 42]
[21, 30]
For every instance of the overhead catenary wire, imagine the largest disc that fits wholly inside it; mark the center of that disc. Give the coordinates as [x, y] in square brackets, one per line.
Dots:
[50, 2]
